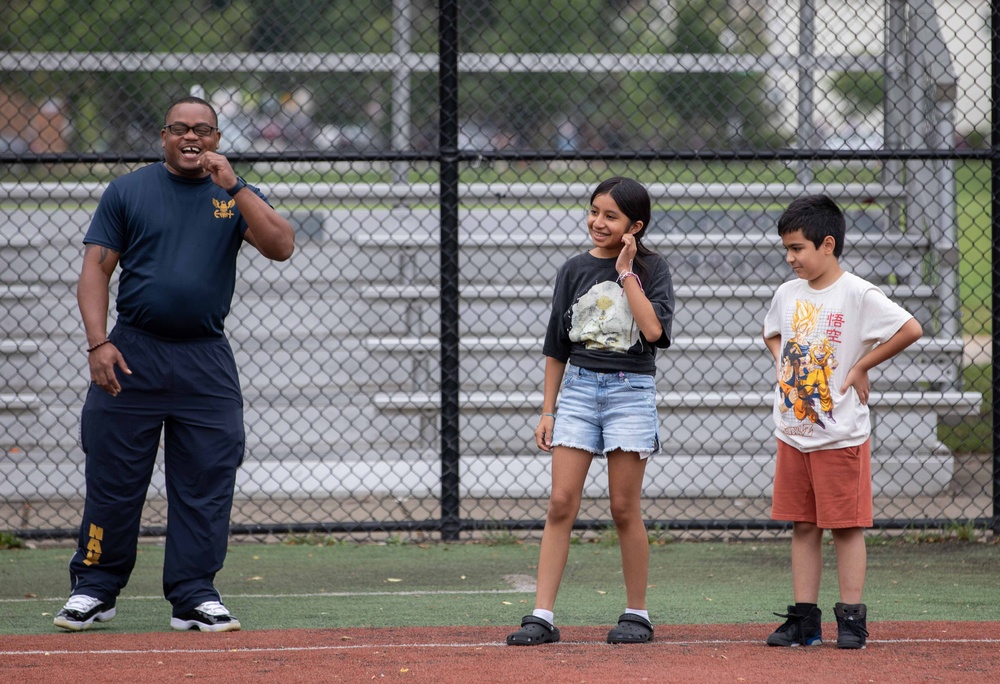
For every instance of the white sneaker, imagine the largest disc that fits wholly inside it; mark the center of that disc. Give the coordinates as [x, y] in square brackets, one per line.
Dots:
[81, 612]
[210, 616]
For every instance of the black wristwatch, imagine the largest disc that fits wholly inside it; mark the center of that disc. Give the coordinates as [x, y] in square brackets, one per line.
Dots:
[240, 184]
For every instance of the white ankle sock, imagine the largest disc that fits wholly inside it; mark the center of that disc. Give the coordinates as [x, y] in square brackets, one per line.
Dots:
[546, 615]
[636, 611]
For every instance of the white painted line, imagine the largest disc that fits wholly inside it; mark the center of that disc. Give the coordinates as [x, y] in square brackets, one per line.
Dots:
[332, 594]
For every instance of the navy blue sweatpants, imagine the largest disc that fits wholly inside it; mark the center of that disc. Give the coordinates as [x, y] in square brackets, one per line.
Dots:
[189, 391]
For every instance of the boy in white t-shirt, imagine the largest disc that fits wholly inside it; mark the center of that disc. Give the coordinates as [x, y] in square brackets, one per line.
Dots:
[826, 330]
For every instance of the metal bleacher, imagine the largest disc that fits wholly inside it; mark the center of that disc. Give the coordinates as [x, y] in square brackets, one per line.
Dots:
[356, 392]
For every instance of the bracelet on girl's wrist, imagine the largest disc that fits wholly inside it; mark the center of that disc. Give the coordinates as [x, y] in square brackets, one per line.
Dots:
[628, 274]
[550, 415]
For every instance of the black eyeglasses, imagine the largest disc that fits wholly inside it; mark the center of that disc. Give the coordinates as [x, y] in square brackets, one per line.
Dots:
[201, 130]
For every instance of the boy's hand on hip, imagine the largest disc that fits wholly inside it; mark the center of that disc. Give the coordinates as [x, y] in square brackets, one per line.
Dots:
[858, 379]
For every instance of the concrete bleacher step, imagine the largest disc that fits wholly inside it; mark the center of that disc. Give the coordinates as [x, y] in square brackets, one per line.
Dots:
[33, 424]
[11, 402]
[72, 194]
[695, 422]
[418, 475]
[690, 363]
[524, 309]
[748, 258]
[699, 400]
[390, 423]
[338, 347]
[527, 475]
[709, 439]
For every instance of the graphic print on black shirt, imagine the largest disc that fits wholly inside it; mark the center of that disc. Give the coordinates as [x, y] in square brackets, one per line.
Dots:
[602, 319]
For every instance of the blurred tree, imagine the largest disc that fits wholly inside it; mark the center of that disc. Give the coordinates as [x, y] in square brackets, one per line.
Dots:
[120, 110]
[528, 106]
[115, 110]
[718, 110]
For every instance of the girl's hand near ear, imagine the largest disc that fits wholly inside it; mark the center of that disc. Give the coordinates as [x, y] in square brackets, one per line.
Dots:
[627, 254]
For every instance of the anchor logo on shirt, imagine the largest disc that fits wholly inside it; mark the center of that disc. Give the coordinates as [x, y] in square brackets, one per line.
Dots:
[223, 210]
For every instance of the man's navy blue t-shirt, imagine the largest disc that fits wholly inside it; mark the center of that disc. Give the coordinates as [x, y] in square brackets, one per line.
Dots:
[178, 239]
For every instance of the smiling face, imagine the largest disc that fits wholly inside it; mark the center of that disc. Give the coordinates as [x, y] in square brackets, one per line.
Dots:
[816, 265]
[182, 153]
[607, 224]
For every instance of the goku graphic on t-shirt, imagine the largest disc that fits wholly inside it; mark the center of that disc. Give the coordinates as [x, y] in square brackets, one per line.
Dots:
[807, 364]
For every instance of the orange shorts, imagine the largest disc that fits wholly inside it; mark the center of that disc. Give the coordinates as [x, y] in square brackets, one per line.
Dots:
[830, 488]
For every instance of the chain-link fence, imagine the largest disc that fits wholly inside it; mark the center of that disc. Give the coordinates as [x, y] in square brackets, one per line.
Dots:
[436, 161]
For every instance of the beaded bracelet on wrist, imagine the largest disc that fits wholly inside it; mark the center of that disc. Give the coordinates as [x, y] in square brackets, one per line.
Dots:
[99, 344]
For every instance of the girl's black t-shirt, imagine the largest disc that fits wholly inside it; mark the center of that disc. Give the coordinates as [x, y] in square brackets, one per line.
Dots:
[591, 325]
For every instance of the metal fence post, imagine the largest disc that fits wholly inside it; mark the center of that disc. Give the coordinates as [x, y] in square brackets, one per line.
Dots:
[448, 112]
[995, 251]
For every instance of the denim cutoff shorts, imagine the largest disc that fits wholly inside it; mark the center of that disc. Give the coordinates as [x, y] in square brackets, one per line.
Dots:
[603, 412]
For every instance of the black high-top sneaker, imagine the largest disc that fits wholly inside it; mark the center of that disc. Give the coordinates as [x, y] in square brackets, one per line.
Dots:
[81, 612]
[801, 628]
[852, 624]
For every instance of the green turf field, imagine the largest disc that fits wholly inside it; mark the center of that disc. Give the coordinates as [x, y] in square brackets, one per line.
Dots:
[281, 586]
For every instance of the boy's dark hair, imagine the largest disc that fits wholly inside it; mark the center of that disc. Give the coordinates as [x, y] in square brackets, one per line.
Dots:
[817, 216]
[632, 199]
[192, 100]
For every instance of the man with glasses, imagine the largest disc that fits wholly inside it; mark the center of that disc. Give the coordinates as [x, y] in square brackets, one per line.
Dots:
[175, 228]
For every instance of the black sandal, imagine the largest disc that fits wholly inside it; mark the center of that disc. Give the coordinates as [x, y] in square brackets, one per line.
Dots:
[534, 631]
[631, 629]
